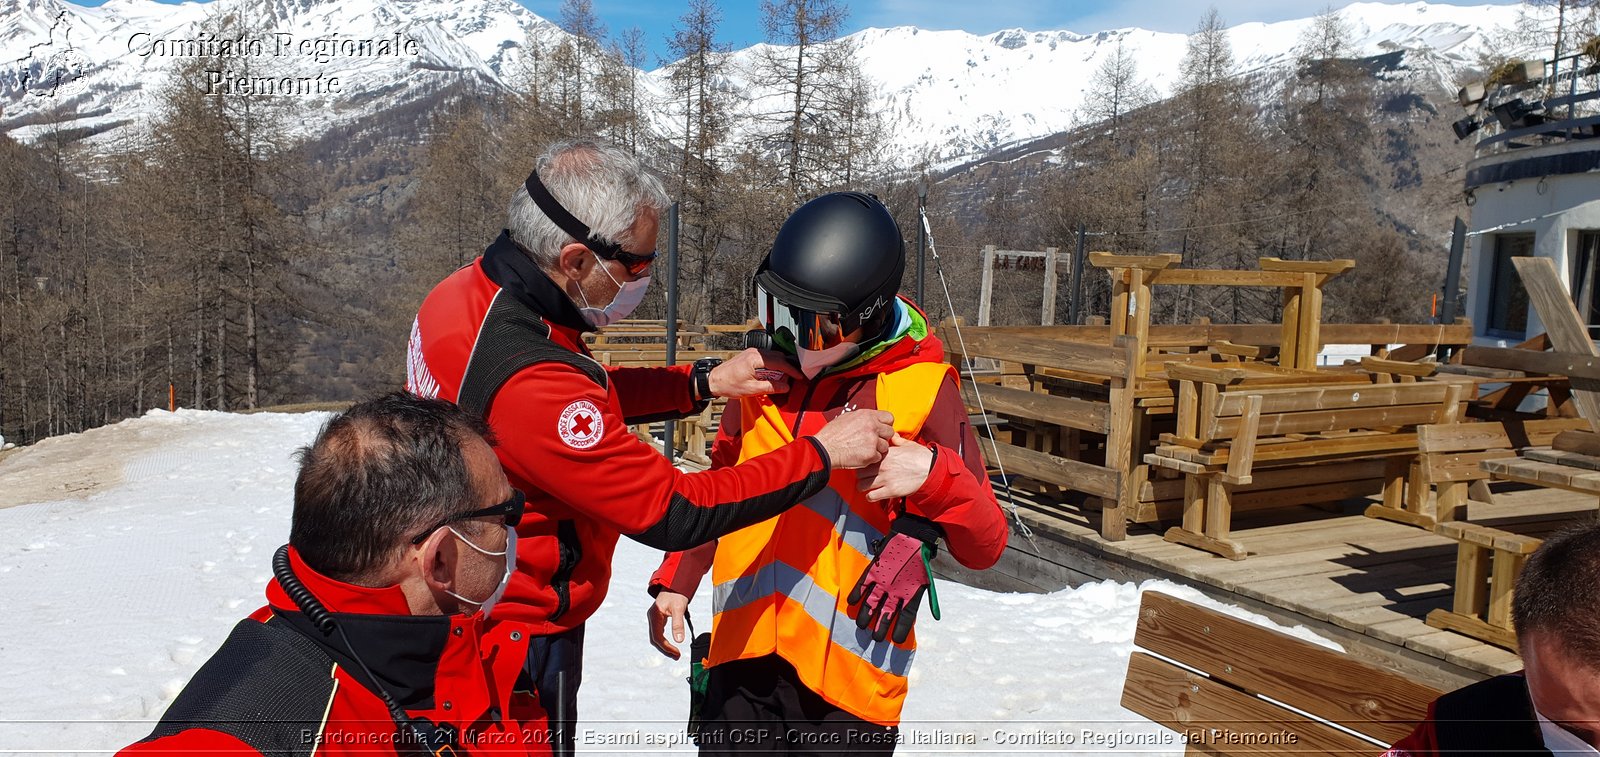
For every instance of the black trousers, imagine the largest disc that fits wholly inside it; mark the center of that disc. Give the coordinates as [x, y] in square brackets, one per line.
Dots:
[555, 665]
[759, 706]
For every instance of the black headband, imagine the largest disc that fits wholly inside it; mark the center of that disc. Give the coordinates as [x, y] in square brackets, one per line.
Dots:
[565, 220]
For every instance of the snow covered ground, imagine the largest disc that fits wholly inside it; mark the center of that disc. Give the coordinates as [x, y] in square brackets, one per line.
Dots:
[114, 592]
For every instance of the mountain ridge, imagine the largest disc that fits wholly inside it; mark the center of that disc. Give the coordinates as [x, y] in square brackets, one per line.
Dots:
[957, 94]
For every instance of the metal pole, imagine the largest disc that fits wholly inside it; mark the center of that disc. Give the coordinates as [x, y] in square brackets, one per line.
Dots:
[1075, 316]
[1452, 278]
[672, 315]
[1572, 93]
[922, 239]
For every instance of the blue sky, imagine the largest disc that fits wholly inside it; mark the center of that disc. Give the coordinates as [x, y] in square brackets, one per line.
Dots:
[741, 24]
[741, 19]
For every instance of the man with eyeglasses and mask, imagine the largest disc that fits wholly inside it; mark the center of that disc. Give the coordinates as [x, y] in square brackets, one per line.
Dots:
[811, 641]
[374, 638]
[502, 337]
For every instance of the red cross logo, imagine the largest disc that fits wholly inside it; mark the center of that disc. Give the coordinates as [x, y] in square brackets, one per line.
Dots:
[581, 425]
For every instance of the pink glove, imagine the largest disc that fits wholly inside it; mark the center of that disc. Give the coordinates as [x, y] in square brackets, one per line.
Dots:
[893, 584]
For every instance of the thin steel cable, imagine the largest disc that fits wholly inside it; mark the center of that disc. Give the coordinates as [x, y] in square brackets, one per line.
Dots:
[966, 360]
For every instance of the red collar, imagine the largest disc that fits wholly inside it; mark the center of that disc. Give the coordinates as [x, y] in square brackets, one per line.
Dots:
[567, 337]
[431, 664]
[339, 596]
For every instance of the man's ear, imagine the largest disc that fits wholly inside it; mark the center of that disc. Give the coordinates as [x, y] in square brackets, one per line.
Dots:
[574, 261]
[439, 553]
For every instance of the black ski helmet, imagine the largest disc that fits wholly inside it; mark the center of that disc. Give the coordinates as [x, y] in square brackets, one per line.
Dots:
[839, 254]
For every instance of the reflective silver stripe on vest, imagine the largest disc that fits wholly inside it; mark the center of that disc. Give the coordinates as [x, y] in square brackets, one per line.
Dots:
[780, 578]
[849, 525]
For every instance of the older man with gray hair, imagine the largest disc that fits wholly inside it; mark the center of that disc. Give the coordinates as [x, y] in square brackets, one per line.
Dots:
[502, 337]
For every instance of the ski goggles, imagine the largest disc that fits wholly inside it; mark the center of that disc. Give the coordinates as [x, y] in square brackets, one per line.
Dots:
[510, 510]
[797, 327]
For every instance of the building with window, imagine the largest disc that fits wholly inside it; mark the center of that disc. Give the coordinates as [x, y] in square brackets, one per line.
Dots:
[1534, 188]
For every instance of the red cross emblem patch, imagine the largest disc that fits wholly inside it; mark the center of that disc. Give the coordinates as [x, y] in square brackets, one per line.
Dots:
[581, 425]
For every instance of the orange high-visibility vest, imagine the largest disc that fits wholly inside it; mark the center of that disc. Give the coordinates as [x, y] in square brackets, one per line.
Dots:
[780, 585]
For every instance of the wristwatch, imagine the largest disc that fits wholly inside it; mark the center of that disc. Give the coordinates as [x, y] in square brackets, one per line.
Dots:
[700, 376]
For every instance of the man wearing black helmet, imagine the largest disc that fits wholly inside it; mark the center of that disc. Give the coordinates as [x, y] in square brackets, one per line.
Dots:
[503, 338]
[812, 637]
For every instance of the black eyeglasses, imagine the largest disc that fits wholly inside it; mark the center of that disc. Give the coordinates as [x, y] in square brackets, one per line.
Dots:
[510, 509]
[635, 264]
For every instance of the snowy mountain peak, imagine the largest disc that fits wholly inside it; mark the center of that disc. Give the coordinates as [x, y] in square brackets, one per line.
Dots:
[45, 8]
[1016, 39]
[959, 93]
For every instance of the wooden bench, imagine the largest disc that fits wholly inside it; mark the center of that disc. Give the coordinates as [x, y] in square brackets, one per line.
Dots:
[1519, 372]
[1490, 555]
[1449, 465]
[1119, 401]
[1231, 687]
[1487, 563]
[1391, 371]
[1550, 468]
[1223, 435]
[692, 437]
[1449, 453]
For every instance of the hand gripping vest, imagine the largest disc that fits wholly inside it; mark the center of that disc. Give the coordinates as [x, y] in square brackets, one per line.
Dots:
[780, 585]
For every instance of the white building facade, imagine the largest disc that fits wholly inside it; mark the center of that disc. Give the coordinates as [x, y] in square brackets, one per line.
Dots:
[1534, 190]
[1524, 207]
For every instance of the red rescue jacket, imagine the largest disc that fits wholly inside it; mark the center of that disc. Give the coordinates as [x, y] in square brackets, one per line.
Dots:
[500, 338]
[272, 689]
[957, 494]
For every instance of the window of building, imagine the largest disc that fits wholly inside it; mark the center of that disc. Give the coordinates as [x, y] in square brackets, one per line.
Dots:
[1586, 277]
[1508, 301]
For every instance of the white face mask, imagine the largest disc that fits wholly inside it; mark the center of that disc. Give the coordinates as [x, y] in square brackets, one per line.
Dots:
[510, 553]
[627, 299]
[814, 362]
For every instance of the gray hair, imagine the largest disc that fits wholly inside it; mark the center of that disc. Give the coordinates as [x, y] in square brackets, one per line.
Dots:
[602, 186]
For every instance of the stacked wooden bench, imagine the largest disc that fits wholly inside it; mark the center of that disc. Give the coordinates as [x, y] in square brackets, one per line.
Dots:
[1232, 687]
[646, 356]
[692, 437]
[1225, 434]
[1490, 556]
[1119, 399]
[1449, 466]
[643, 343]
[1517, 373]
[633, 343]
